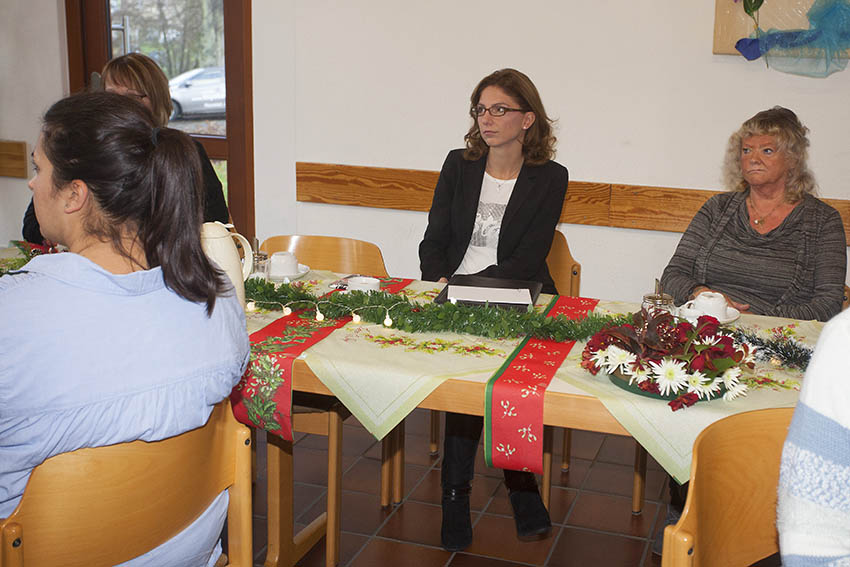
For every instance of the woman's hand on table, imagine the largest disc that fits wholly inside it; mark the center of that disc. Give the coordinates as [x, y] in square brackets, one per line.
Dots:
[741, 307]
[444, 279]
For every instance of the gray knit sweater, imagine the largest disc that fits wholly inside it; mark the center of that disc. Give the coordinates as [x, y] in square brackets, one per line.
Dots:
[796, 270]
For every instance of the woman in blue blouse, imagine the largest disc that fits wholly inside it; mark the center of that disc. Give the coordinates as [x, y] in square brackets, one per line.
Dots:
[133, 333]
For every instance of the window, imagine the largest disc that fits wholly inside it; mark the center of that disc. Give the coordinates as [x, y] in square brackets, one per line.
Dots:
[204, 48]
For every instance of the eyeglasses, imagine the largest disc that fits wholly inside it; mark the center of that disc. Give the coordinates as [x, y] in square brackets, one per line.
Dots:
[495, 110]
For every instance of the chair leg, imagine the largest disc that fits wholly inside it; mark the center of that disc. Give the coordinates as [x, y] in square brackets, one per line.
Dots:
[334, 488]
[639, 487]
[546, 489]
[387, 450]
[566, 453]
[280, 545]
[434, 445]
[398, 464]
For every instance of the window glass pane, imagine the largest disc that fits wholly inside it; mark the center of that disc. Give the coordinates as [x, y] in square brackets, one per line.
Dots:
[220, 166]
[186, 39]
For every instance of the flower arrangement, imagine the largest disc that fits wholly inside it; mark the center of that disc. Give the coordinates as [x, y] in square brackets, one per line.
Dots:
[671, 359]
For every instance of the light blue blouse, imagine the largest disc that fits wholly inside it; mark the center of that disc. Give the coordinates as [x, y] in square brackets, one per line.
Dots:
[90, 358]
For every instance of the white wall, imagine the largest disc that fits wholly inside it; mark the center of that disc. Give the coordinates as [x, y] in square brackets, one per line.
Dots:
[638, 94]
[33, 75]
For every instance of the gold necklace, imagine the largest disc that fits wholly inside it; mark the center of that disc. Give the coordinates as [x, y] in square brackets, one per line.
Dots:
[760, 221]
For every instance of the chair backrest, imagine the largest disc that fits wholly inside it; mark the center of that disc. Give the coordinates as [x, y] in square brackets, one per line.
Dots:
[564, 269]
[333, 253]
[730, 512]
[106, 505]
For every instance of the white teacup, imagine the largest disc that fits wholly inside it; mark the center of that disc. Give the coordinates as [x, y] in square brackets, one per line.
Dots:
[709, 303]
[364, 283]
[283, 265]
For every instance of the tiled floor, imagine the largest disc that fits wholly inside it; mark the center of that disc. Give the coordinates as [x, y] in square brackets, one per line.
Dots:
[590, 509]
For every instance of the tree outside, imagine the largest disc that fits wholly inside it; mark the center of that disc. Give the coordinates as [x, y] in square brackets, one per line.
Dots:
[180, 35]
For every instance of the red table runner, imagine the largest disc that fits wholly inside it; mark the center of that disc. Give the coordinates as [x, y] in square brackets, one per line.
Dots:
[263, 397]
[513, 414]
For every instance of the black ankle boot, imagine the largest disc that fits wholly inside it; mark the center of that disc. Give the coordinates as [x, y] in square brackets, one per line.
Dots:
[456, 530]
[531, 517]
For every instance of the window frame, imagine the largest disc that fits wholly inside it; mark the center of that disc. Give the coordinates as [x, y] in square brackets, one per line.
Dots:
[89, 48]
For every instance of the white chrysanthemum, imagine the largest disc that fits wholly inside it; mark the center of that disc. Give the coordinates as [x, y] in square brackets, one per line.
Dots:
[639, 375]
[618, 357]
[714, 388]
[699, 383]
[600, 358]
[731, 376]
[733, 392]
[710, 341]
[670, 375]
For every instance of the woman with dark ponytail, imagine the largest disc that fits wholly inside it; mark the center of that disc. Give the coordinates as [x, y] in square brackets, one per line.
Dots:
[133, 333]
[138, 77]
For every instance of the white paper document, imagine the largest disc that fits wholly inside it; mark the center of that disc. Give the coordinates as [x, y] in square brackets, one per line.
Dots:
[489, 294]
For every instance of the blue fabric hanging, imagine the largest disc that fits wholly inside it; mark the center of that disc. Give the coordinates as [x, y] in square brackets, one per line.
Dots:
[816, 52]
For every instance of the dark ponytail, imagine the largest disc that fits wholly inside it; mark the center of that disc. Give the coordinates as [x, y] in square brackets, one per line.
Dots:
[145, 180]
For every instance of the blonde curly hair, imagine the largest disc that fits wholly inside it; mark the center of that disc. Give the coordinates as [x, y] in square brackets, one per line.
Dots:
[790, 135]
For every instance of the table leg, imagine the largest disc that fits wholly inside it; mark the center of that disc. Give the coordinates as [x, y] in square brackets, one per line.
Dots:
[434, 445]
[547, 464]
[398, 464]
[387, 450]
[567, 451]
[640, 479]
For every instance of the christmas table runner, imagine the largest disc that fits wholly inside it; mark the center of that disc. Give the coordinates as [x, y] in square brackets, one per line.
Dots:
[513, 415]
[263, 397]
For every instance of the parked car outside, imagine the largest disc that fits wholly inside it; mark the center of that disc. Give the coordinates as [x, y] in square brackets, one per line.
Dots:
[199, 91]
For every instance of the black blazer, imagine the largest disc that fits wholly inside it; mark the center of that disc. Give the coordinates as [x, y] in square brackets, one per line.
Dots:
[527, 227]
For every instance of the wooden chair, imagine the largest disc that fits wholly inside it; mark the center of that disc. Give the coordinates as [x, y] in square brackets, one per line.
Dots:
[322, 415]
[566, 273]
[730, 512]
[846, 303]
[107, 505]
[332, 253]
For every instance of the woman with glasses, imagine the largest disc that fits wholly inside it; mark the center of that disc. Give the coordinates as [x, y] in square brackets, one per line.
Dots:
[494, 213]
[138, 77]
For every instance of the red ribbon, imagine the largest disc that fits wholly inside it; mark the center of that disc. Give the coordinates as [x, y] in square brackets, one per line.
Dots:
[513, 418]
[263, 397]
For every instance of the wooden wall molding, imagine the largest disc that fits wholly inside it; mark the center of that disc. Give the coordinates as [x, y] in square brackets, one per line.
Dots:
[13, 159]
[592, 203]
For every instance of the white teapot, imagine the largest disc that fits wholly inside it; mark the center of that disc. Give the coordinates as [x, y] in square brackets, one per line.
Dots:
[217, 242]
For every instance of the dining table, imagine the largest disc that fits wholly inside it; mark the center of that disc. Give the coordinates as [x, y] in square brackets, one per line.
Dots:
[381, 374]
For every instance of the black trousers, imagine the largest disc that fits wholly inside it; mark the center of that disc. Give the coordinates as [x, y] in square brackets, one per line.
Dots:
[459, 448]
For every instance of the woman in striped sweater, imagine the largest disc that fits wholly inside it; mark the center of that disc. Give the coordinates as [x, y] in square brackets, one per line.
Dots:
[767, 244]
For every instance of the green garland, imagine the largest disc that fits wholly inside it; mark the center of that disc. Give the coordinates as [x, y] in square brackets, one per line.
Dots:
[483, 321]
[788, 351]
[12, 264]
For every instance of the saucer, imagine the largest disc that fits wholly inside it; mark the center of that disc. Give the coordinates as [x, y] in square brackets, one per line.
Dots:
[302, 270]
[693, 314]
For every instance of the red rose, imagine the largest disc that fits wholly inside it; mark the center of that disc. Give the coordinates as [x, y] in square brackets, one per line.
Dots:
[683, 329]
[707, 326]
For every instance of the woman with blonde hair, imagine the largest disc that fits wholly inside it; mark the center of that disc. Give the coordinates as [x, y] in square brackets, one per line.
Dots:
[494, 213]
[138, 77]
[767, 244]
